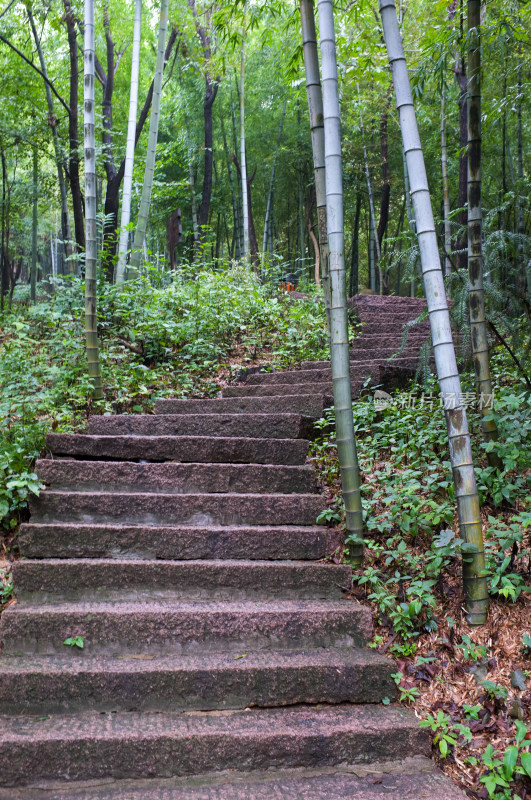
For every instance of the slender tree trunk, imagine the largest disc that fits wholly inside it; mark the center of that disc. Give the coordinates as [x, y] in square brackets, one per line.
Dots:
[52, 122]
[461, 242]
[478, 325]
[374, 241]
[243, 160]
[385, 197]
[4, 274]
[475, 582]
[315, 106]
[149, 172]
[446, 187]
[235, 210]
[33, 273]
[91, 250]
[354, 257]
[130, 148]
[339, 341]
[410, 217]
[272, 181]
[73, 158]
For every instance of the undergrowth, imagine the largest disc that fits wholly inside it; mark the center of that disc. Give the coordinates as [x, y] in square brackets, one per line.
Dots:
[412, 575]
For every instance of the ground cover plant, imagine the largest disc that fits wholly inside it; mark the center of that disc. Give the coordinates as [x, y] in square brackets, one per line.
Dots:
[470, 687]
[179, 338]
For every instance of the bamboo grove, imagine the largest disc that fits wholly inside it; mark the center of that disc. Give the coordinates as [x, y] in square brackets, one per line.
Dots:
[209, 129]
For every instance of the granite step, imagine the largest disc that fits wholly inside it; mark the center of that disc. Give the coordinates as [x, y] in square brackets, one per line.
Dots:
[171, 627]
[169, 509]
[411, 778]
[280, 389]
[64, 684]
[310, 405]
[61, 580]
[161, 745]
[106, 540]
[301, 376]
[255, 426]
[183, 449]
[171, 478]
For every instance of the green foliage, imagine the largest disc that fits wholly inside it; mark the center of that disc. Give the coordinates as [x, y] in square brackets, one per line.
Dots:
[502, 768]
[446, 734]
[75, 641]
[158, 338]
[471, 652]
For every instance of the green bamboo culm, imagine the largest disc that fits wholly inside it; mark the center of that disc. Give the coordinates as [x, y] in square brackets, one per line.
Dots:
[91, 246]
[149, 170]
[315, 108]
[33, 272]
[339, 341]
[474, 579]
[476, 298]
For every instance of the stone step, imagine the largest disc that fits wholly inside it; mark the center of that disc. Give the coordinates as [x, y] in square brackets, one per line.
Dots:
[169, 509]
[387, 342]
[396, 329]
[255, 426]
[301, 376]
[280, 389]
[366, 364]
[60, 580]
[65, 685]
[184, 449]
[85, 540]
[160, 745]
[411, 778]
[180, 628]
[169, 478]
[310, 405]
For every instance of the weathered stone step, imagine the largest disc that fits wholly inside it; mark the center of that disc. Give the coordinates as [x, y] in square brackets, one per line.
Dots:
[179, 627]
[411, 778]
[384, 343]
[255, 426]
[170, 478]
[366, 364]
[279, 389]
[86, 540]
[310, 405]
[136, 745]
[51, 580]
[184, 509]
[184, 449]
[300, 376]
[392, 328]
[63, 684]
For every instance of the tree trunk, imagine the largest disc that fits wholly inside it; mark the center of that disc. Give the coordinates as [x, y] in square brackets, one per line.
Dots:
[354, 257]
[315, 107]
[272, 181]
[235, 209]
[476, 298]
[4, 266]
[462, 241]
[385, 196]
[52, 122]
[243, 160]
[149, 171]
[33, 273]
[91, 251]
[475, 582]
[73, 158]
[374, 242]
[130, 148]
[446, 187]
[339, 340]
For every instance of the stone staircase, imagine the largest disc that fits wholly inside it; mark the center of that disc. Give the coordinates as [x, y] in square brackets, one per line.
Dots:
[221, 658]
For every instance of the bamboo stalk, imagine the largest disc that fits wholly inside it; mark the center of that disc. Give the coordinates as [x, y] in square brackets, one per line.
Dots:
[91, 245]
[339, 343]
[315, 107]
[475, 582]
[149, 171]
[130, 148]
[476, 297]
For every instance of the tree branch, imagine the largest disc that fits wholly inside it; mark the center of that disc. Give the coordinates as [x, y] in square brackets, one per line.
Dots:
[32, 65]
